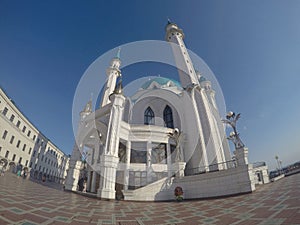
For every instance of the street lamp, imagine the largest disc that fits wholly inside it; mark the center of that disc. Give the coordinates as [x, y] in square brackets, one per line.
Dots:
[231, 119]
[277, 159]
[280, 162]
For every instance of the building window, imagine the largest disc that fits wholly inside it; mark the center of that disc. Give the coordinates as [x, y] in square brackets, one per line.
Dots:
[29, 151]
[149, 116]
[42, 158]
[6, 154]
[33, 137]
[4, 134]
[33, 153]
[30, 165]
[159, 153]
[5, 111]
[0, 148]
[38, 140]
[12, 139]
[12, 117]
[20, 160]
[14, 157]
[26, 163]
[18, 144]
[138, 153]
[24, 147]
[28, 134]
[168, 117]
[137, 179]
[24, 128]
[18, 123]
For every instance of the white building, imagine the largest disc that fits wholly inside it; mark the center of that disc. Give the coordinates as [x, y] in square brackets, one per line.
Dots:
[22, 145]
[169, 133]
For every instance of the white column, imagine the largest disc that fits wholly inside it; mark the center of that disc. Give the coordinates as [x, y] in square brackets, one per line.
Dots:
[109, 166]
[201, 135]
[74, 170]
[93, 186]
[88, 183]
[169, 160]
[148, 163]
[109, 160]
[126, 172]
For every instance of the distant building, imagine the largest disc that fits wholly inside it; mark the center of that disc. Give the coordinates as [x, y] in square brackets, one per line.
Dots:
[23, 146]
[168, 134]
[261, 173]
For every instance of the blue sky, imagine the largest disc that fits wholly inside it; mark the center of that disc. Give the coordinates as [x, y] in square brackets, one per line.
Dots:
[253, 48]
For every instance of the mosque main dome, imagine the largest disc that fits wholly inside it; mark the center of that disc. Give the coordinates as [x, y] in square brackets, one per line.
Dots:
[160, 82]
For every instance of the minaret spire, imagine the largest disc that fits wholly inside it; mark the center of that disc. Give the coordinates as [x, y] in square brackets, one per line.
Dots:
[119, 53]
[112, 72]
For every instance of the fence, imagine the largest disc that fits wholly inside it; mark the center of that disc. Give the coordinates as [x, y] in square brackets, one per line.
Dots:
[211, 168]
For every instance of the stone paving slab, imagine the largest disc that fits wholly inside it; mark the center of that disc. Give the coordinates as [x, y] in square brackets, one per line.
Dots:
[23, 202]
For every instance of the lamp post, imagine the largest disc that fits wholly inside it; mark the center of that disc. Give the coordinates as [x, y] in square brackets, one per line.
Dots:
[241, 152]
[277, 159]
[231, 119]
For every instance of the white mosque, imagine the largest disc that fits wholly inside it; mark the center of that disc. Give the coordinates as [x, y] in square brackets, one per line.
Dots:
[167, 134]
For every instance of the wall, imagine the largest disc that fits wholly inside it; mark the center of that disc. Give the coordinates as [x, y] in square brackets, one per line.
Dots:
[214, 184]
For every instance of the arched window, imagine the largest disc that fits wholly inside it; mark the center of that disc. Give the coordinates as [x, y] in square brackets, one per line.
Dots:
[168, 117]
[149, 116]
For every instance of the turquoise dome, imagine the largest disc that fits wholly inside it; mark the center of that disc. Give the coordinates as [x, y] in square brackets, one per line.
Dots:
[161, 81]
[202, 79]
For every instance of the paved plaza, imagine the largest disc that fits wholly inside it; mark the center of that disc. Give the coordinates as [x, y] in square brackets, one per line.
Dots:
[26, 202]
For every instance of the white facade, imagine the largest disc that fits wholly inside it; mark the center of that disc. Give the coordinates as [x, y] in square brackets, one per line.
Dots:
[22, 144]
[166, 129]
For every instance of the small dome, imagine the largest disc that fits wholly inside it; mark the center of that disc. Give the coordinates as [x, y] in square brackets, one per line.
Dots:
[161, 82]
[202, 79]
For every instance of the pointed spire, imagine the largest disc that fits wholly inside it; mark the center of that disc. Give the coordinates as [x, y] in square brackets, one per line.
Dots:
[88, 106]
[119, 53]
[169, 21]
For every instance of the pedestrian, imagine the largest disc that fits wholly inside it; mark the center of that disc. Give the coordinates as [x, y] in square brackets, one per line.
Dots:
[84, 185]
[44, 178]
[80, 184]
[19, 173]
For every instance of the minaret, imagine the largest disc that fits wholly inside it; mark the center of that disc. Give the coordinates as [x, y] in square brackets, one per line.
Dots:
[112, 72]
[187, 74]
[87, 110]
[206, 85]
[75, 161]
[189, 82]
[109, 160]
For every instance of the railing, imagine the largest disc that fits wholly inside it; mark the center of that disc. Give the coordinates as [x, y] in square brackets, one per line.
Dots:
[211, 168]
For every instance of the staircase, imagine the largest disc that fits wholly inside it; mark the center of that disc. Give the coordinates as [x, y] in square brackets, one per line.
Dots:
[160, 190]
